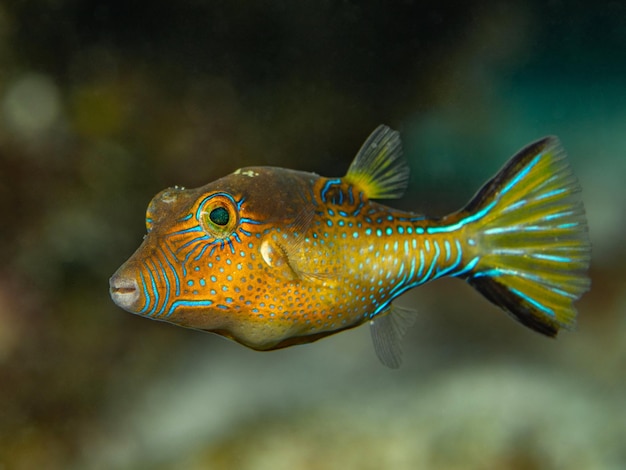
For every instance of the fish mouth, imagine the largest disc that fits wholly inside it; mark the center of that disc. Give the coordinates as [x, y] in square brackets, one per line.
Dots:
[124, 291]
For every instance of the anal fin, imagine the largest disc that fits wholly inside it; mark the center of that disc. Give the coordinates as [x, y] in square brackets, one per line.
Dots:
[388, 329]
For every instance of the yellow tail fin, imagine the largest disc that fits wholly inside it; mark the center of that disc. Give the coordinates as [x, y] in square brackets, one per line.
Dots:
[530, 232]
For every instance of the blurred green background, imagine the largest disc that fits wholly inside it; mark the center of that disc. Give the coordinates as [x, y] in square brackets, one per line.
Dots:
[103, 104]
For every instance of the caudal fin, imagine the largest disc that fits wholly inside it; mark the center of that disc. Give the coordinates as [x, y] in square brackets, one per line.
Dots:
[531, 238]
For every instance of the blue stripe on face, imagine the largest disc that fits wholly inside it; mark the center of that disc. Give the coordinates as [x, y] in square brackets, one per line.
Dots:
[174, 270]
[176, 279]
[195, 228]
[155, 291]
[146, 295]
[190, 242]
[167, 287]
[188, 303]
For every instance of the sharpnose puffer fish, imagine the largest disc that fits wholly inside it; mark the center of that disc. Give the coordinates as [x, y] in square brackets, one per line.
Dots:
[272, 257]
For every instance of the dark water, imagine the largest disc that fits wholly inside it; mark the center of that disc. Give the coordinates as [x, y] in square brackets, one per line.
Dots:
[103, 106]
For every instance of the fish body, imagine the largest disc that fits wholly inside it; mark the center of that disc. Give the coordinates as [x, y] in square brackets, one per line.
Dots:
[272, 257]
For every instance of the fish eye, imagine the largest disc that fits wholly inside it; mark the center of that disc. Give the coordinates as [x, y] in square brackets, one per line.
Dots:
[218, 215]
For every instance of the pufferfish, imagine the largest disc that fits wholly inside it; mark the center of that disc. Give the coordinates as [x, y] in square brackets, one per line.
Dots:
[272, 257]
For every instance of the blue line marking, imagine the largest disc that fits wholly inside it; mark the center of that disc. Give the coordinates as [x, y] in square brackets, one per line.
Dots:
[457, 262]
[521, 175]
[191, 252]
[419, 272]
[359, 207]
[247, 220]
[433, 264]
[560, 259]
[167, 288]
[533, 302]
[412, 270]
[382, 307]
[195, 228]
[552, 193]
[145, 294]
[154, 290]
[204, 248]
[191, 242]
[327, 187]
[188, 303]
[468, 267]
[558, 215]
[176, 280]
[515, 205]
[471, 218]
[497, 230]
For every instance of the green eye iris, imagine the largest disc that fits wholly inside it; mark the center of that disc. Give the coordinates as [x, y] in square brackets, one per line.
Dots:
[219, 216]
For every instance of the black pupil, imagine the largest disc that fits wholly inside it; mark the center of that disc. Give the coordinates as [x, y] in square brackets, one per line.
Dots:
[219, 216]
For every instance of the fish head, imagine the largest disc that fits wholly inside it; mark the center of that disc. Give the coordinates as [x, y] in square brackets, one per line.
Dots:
[211, 257]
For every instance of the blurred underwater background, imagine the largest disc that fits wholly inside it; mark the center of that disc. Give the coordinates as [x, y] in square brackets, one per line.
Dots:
[103, 104]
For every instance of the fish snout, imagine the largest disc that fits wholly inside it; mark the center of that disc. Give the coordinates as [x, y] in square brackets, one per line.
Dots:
[124, 291]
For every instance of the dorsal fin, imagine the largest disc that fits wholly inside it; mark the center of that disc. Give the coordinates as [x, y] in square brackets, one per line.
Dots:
[379, 170]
